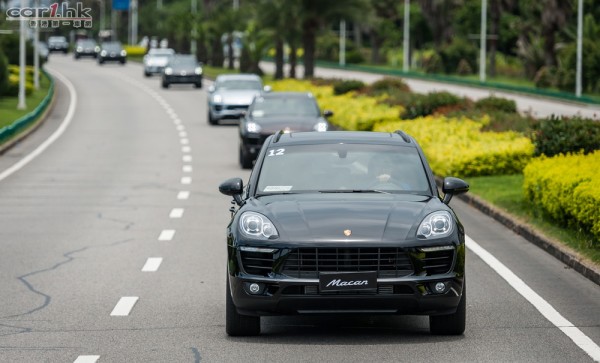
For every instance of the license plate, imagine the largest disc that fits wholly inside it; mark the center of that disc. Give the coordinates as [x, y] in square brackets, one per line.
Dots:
[346, 281]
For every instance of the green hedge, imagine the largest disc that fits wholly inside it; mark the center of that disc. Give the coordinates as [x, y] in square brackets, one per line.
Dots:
[567, 187]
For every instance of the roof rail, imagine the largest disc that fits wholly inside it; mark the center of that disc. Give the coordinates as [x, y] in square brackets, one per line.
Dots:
[404, 136]
[278, 135]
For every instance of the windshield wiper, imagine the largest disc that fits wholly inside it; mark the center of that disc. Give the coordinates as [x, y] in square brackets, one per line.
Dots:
[353, 191]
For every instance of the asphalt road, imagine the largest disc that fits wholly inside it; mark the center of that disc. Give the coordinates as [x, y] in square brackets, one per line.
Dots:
[113, 250]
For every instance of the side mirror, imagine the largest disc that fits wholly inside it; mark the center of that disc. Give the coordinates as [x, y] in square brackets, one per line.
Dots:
[267, 88]
[453, 186]
[211, 88]
[327, 113]
[234, 188]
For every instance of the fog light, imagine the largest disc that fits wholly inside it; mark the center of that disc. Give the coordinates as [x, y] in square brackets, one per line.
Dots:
[255, 289]
[440, 287]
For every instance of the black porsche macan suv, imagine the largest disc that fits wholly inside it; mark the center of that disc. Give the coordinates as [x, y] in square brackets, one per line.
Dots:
[344, 222]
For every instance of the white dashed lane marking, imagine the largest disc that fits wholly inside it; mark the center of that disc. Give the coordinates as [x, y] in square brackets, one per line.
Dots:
[87, 359]
[152, 264]
[186, 149]
[166, 235]
[176, 213]
[124, 306]
[183, 195]
[187, 168]
[186, 180]
[187, 158]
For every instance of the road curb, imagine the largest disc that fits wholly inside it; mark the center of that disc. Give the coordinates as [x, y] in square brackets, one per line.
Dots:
[565, 254]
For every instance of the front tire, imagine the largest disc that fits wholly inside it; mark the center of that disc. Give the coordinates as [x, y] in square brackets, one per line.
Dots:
[237, 324]
[212, 120]
[245, 159]
[165, 84]
[451, 324]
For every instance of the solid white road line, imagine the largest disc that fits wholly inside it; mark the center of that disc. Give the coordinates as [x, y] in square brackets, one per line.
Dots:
[187, 158]
[187, 168]
[152, 264]
[183, 195]
[87, 359]
[124, 306]
[166, 235]
[176, 213]
[58, 133]
[576, 335]
[186, 180]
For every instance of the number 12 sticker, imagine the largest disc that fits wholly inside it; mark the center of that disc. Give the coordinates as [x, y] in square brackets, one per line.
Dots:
[276, 152]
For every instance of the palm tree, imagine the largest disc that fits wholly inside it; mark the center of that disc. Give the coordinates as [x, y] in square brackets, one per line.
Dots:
[315, 14]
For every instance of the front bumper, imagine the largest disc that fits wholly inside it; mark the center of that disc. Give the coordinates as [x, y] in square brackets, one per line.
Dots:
[191, 78]
[109, 58]
[252, 143]
[153, 69]
[405, 290]
[221, 111]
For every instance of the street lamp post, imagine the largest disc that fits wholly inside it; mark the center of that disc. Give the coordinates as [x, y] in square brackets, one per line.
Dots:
[21, 104]
[406, 43]
[579, 47]
[194, 32]
[483, 41]
[342, 42]
[36, 51]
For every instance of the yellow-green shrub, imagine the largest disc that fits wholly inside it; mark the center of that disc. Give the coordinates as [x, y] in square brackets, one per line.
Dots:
[135, 50]
[351, 111]
[458, 147]
[567, 187]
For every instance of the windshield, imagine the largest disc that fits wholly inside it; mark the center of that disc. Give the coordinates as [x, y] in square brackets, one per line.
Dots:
[335, 168]
[161, 52]
[57, 40]
[280, 106]
[86, 43]
[183, 61]
[239, 84]
[111, 47]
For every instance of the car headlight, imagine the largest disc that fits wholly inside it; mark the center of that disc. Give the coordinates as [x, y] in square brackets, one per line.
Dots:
[97, 49]
[321, 126]
[79, 49]
[436, 225]
[255, 225]
[252, 127]
[123, 53]
[217, 99]
[103, 53]
[198, 70]
[168, 71]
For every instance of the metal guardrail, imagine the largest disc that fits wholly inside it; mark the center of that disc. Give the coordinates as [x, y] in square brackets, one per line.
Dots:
[9, 131]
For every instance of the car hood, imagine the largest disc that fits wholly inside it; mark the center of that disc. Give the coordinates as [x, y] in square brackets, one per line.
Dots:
[324, 218]
[270, 125]
[237, 97]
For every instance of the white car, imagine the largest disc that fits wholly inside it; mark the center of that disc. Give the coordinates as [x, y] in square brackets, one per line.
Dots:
[156, 59]
[231, 95]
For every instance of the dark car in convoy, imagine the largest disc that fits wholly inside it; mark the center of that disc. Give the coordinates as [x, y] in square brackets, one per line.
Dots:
[112, 52]
[231, 95]
[288, 111]
[156, 59]
[344, 222]
[58, 44]
[86, 48]
[182, 68]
